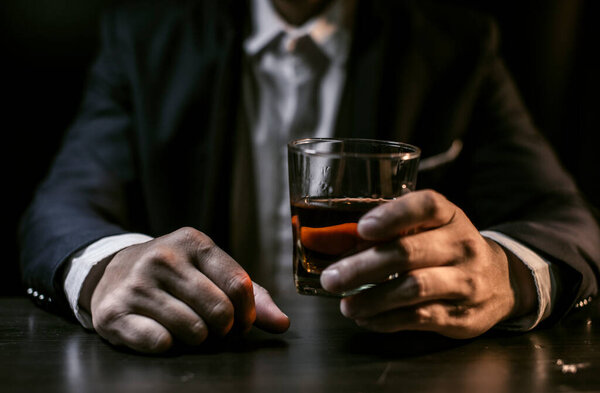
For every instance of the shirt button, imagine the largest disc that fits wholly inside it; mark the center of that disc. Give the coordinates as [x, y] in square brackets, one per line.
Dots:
[41, 297]
[29, 291]
[35, 293]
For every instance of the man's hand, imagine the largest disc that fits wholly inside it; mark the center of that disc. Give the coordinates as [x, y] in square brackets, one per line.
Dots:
[450, 279]
[177, 287]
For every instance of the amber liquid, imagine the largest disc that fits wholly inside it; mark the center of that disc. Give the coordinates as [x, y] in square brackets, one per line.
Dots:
[325, 232]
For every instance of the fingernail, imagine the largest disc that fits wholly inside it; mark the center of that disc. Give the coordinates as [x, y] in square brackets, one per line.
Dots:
[361, 322]
[345, 309]
[330, 279]
[368, 224]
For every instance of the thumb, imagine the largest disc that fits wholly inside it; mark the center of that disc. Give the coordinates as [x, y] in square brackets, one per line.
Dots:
[268, 316]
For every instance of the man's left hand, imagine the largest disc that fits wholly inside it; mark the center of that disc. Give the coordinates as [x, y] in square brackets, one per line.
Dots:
[450, 279]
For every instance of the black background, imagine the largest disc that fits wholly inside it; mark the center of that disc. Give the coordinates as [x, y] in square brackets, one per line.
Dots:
[46, 47]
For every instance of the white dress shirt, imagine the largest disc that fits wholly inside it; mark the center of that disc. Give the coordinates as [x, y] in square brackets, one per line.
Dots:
[330, 31]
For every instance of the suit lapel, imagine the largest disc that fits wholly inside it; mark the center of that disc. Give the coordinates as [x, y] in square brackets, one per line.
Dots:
[390, 76]
[211, 164]
[358, 112]
[369, 106]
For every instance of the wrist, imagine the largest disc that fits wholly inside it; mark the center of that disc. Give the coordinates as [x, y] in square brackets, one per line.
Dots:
[522, 285]
[90, 283]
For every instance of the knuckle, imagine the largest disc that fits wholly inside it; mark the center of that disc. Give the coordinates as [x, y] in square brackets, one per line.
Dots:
[198, 330]
[433, 204]
[411, 287]
[423, 316]
[221, 316]
[240, 285]
[192, 236]
[197, 243]
[459, 311]
[105, 315]
[406, 249]
[419, 285]
[138, 288]
[470, 247]
[471, 286]
[160, 343]
[474, 288]
[161, 254]
[187, 233]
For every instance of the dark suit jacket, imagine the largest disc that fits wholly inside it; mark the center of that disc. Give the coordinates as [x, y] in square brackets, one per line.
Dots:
[151, 148]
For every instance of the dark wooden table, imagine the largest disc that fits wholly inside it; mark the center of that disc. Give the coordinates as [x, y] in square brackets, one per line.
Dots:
[322, 352]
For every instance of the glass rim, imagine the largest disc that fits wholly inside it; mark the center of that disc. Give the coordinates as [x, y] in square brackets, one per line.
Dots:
[412, 153]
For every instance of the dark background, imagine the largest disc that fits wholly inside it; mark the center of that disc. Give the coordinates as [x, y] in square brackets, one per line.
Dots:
[46, 47]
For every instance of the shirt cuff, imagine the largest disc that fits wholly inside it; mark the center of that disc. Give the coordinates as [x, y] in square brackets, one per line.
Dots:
[542, 277]
[81, 263]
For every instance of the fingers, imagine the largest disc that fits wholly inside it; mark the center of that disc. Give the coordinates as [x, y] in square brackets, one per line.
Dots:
[451, 280]
[206, 300]
[137, 332]
[223, 271]
[451, 320]
[182, 282]
[268, 316]
[412, 212]
[430, 317]
[176, 316]
[424, 249]
[116, 318]
[417, 287]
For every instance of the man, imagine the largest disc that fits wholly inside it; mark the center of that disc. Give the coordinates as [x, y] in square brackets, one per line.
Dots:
[176, 155]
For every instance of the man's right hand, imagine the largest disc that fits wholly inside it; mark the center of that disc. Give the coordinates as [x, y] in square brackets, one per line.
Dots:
[180, 286]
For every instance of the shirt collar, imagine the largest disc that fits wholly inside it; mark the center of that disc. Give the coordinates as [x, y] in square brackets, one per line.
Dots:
[330, 30]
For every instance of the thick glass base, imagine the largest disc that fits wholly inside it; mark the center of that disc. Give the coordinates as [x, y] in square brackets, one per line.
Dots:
[312, 286]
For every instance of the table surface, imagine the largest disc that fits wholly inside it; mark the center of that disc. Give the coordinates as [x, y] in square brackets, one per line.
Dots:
[322, 352]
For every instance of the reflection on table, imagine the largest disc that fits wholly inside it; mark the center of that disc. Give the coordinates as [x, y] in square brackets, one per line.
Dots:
[322, 352]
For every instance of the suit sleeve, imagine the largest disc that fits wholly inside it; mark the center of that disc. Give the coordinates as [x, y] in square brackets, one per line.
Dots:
[517, 186]
[85, 195]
